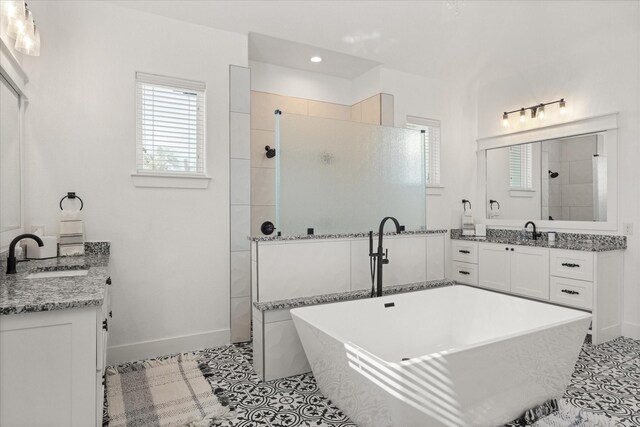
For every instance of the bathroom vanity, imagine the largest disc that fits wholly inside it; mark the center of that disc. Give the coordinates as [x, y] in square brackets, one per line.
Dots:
[53, 340]
[580, 271]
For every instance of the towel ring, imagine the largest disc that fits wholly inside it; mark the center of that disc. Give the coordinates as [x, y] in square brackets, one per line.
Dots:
[71, 195]
[491, 202]
[464, 204]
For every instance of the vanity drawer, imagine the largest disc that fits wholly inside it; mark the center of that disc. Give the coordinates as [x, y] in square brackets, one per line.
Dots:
[465, 272]
[571, 264]
[464, 251]
[576, 293]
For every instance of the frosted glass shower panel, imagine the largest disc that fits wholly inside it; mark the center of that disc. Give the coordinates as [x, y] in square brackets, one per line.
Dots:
[339, 177]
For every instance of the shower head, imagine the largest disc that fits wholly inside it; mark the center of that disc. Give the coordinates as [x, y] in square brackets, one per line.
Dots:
[271, 152]
[553, 174]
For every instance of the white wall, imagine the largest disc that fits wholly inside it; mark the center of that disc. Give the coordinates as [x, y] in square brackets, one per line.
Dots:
[170, 247]
[301, 84]
[596, 78]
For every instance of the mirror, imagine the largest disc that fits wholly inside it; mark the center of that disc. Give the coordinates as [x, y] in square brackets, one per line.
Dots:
[10, 174]
[561, 179]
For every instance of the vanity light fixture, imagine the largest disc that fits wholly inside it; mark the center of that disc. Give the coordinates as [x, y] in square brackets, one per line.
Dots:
[315, 59]
[21, 27]
[505, 120]
[537, 111]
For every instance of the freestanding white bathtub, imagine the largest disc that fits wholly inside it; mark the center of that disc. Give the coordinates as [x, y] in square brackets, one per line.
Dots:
[475, 357]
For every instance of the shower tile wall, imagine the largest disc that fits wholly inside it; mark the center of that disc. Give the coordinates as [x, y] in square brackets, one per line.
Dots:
[377, 109]
[240, 200]
[570, 195]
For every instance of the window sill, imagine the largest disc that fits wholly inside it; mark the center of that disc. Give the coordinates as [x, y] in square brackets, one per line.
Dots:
[522, 193]
[171, 181]
[435, 190]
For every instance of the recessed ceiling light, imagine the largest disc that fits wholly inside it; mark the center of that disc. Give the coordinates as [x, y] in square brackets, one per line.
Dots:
[315, 59]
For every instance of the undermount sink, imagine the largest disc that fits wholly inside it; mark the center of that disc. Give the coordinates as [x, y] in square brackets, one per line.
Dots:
[57, 273]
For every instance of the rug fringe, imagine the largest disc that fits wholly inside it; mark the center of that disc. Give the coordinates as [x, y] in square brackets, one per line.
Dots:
[137, 366]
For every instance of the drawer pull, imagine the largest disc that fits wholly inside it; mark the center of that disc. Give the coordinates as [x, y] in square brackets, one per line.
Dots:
[105, 325]
[570, 292]
[110, 313]
[464, 272]
[570, 264]
[464, 251]
[108, 280]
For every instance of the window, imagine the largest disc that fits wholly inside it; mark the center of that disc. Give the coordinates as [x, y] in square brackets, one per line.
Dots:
[170, 126]
[431, 147]
[521, 167]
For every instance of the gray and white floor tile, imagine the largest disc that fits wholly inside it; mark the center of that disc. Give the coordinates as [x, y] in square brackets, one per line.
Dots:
[606, 382]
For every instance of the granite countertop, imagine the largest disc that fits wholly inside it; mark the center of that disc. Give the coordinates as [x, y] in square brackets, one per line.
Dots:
[339, 235]
[21, 295]
[584, 245]
[569, 241]
[348, 296]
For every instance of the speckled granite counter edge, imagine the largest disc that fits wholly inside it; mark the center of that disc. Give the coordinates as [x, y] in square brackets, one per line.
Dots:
[567, 241]
[339, 235]
[348, 296]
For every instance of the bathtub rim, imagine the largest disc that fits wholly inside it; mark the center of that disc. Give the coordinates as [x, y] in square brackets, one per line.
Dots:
[580, 316]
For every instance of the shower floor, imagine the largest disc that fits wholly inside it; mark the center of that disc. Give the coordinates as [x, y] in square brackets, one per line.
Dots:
[606, 381]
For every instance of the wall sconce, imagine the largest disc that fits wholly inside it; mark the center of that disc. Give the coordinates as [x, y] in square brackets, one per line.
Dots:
[537, 111]
[21, 27]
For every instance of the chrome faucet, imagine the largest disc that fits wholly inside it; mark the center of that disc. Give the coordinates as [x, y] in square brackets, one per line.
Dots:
[11, 260]
[535, 233]
[381, 256]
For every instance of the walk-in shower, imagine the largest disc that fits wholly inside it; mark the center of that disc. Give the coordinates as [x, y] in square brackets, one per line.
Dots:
[338, 176]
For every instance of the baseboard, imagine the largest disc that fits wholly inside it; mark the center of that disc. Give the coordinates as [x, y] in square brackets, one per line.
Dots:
[147, 349]
[631, 330]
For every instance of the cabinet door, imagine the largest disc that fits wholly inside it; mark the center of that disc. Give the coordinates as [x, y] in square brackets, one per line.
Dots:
[530, 272]
[493, 266]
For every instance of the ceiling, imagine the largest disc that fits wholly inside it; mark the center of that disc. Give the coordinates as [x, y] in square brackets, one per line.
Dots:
[431, 38]
[296, 55]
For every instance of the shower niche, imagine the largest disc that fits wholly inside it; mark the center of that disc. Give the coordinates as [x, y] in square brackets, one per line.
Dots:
[337, 177]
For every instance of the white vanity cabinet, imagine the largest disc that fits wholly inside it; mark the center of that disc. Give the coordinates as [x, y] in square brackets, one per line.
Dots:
[464, 262]
[579, 279]
[52, 365]
[520, 270]
[590, 281]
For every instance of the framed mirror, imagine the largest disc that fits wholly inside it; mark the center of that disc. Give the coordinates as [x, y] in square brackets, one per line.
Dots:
[553, 176]
[11, 215]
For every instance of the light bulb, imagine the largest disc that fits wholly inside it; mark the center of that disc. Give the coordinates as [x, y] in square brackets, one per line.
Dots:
[315, 59]
[12, 9]
[25, 39]
[563, 107]
[523, 115]
[18, 17]
[540, 112]
[505, 120]
[29, 42]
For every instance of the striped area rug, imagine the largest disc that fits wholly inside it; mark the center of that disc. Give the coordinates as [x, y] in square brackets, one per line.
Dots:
[169, 392]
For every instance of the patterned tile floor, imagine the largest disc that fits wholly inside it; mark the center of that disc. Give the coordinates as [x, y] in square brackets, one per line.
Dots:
[606, 381]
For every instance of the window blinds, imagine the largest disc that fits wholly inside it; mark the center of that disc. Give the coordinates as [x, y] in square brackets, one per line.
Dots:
[431, 146]
[521, 167]
[170, 130]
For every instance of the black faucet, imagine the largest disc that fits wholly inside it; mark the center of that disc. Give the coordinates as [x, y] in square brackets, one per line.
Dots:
[11, 260]
[535, 233]
[380, 256]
